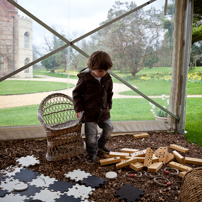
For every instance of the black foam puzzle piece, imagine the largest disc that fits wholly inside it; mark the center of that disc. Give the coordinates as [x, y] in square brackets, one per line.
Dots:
[3, 193]
[129, 193]
[61, 186]
[32, 200]
[26, 175]
[65, 198]
[2, 177]
[93, 181]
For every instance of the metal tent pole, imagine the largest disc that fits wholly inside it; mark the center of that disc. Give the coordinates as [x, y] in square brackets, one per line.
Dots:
[185, 65]
[63, 38]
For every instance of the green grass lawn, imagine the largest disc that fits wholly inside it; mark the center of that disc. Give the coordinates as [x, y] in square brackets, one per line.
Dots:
[19, 116]
[150, 88]
[161, 87]
[123, 110]
[193, 124]
[12, 87]
[57, 74]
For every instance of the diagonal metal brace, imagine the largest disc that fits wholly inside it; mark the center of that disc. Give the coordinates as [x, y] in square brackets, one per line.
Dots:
[143, 95]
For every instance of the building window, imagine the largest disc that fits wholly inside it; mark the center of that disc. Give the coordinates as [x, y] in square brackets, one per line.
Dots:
[26, 40]
[25, 63]
[1, 63]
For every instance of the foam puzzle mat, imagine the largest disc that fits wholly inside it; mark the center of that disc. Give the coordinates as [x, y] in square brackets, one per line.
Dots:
[32, 186]
[21, 184]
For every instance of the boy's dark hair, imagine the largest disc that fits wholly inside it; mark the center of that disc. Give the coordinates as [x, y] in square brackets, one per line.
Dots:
[99, 60]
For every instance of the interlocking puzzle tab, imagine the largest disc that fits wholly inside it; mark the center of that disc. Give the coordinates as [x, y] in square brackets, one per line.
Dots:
[179, 148]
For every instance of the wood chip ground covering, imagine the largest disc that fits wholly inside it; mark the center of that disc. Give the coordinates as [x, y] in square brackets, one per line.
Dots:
[12, 150]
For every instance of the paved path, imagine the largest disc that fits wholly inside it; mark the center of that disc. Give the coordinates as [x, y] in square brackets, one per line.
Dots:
[8, 101]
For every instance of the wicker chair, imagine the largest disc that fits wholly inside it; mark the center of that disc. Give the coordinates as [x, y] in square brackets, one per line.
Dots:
[63, 129]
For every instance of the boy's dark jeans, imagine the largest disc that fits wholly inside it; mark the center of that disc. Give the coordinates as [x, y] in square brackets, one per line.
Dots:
[92, 143]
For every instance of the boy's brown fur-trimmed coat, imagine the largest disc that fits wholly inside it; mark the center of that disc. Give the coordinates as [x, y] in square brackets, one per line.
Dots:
[93, 97]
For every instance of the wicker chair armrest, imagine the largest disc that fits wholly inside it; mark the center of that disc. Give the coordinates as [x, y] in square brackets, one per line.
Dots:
[39, 117]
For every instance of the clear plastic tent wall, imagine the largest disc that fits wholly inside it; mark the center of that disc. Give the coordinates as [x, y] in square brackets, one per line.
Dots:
[45, 45]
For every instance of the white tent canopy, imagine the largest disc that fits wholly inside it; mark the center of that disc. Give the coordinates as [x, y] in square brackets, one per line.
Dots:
[181, 55]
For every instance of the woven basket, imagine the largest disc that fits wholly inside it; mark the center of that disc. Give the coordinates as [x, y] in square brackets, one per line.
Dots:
[63, 129]
[191, 189]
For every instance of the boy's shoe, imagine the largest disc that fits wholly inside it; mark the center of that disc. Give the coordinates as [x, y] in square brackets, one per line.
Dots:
[90, 160]
[104, 150]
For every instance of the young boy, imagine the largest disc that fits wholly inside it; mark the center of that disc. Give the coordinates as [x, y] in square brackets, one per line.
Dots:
[93, 96]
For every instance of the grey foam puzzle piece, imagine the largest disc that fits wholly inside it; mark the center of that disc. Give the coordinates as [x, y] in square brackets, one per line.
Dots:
[2, 177]
[65, 198]
[61, 186]
[26, 175]
[93, 181]
[3, 193]
[32, 200]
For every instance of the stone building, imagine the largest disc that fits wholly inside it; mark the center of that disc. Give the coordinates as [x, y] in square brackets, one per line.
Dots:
[15, 41]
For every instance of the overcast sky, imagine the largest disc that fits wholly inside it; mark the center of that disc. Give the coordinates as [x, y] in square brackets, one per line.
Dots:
[72, 16]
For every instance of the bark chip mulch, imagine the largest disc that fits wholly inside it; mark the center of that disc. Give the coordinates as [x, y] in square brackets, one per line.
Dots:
[10, 151]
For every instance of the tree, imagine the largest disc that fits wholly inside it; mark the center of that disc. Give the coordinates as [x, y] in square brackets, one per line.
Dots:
[50, 63]
[59, 59]
[151, 57]
[196, 55]
[128, 38]
[197, 22]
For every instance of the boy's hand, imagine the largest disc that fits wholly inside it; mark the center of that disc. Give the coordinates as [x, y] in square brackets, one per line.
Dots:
[78, 114]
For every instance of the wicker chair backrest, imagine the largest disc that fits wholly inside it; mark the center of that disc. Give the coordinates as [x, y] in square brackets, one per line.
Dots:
[56, 109]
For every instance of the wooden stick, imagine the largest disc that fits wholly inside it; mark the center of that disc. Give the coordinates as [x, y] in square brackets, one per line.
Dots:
[120, 154]
[142, 135]
[128, 150]
[162, 154]
[139, 153]
[148, 157]
[179, 166]
[125, 163]
[182, 174]
[136, 166]
[193, 160]
[179, 148]
[155, 166]
[179, 157]
[155, 158]
[169, 157]
[110, 161]
[139, 159]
